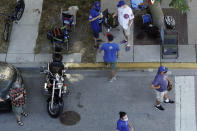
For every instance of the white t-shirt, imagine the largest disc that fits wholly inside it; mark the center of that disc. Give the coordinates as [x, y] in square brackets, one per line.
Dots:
[124, 15]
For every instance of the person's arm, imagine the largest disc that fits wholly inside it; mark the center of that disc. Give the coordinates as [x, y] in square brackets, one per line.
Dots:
[102, 48]
[97, 17]
[131, 17]
[118, 54]
[168, 79]
[20, 96]
[155, 87]
[115, 14]
[1, 100]
[118, 51]
[118, 126]
[130, 22]
[130, 126]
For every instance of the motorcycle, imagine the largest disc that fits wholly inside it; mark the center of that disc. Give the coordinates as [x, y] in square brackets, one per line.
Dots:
[55, 88]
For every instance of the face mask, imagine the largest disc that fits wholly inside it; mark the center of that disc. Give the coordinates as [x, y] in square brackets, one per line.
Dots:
[97, 9]
[125, 118]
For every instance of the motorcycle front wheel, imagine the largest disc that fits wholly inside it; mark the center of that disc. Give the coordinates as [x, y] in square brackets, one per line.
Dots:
[57, 108]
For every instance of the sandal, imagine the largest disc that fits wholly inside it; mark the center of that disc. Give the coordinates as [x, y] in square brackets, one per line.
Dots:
[24, 114]
[20, 123]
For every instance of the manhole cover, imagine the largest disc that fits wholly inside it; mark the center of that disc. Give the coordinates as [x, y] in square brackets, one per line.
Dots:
[70, 118]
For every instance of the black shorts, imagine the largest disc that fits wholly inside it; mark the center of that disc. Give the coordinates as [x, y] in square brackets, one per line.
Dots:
[96, 34]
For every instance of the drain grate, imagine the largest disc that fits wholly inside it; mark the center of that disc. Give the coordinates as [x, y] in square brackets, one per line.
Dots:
[70, 118]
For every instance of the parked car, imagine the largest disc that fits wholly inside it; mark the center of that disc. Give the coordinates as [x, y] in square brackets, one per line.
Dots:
[8, 76]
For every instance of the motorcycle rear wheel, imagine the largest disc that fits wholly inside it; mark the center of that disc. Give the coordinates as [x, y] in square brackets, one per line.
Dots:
[57, 108]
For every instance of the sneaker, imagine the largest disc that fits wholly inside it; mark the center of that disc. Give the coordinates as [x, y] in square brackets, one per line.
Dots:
[114, 78]
[170, 101]
[123, 42]
[159, 107]
[111, 80]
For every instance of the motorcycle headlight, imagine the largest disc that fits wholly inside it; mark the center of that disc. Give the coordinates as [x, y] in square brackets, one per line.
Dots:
[62, 79]
[57, 77]
[59, 85]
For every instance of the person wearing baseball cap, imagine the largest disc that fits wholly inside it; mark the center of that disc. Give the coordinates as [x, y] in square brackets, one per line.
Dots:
[160, 84]
[125, 19]
[111, 53]
[94, 19]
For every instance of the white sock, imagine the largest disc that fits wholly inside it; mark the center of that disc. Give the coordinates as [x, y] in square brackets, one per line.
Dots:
[158, 105]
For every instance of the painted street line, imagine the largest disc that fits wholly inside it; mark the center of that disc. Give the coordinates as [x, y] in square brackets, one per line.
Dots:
[185, 103]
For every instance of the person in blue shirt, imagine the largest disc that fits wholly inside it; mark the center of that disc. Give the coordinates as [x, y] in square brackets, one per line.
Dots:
[111, 53]
[160, 84]
[123, 124]
[95, 18]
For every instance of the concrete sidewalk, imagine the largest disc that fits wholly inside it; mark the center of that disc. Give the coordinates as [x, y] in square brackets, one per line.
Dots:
[24, 34]
[23, 39]
[152, 53]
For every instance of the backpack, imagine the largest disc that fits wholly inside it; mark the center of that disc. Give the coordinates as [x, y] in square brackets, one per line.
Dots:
[57, 32]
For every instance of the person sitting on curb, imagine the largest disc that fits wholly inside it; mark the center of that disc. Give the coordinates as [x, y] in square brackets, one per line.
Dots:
[160, 84]
[125, 19]
[94, 18]
[123, 123]
[111, 53]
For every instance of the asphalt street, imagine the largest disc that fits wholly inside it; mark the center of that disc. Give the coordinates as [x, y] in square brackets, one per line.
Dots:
[99, 101]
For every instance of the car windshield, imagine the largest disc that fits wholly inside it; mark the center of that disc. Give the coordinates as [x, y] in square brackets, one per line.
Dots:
[8, 74]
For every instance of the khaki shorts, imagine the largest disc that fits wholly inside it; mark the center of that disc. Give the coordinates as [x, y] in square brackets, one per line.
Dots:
[127, 31]
[160, 95]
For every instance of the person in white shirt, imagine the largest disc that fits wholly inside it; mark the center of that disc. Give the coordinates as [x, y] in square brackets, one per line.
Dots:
[125, 19]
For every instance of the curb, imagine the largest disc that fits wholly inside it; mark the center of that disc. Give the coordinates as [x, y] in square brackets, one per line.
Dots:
[144, 65]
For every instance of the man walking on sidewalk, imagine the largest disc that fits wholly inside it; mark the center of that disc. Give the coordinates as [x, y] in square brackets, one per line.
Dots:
[160, 84]
[125, 19]
[111, 53]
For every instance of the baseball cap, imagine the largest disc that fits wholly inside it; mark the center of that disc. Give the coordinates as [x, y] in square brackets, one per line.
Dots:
[162, 68]
[110, 37]
[120, 3]
[97, 5]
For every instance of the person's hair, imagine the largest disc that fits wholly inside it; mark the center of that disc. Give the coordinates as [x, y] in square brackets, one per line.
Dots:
[122, 114]
[110, 37]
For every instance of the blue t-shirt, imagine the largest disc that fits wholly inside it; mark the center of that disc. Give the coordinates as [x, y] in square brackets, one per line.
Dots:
[94, 24]
[110, 52]
[162, 81]
[122, 125]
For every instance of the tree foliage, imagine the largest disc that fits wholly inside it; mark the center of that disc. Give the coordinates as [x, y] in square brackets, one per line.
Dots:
[181, 5]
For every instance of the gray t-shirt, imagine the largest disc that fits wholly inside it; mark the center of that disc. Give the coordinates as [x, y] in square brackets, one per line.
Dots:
[162, 81]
